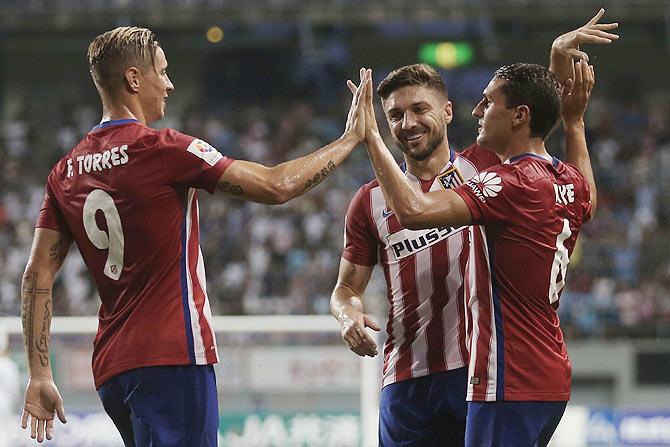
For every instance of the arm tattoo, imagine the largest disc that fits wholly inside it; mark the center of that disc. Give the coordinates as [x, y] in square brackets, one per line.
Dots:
[59, 249]
[319, 176]
[42, 344]
[30, 293]
[228, 187]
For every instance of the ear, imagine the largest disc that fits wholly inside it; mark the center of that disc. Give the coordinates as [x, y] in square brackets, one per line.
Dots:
[132, 78]
[521, 116]
[448, 112]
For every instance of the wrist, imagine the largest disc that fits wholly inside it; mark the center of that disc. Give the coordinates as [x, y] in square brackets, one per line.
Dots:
[350, 138]
[374, 137]
[574, 124]
[558, 48]
[41, 376]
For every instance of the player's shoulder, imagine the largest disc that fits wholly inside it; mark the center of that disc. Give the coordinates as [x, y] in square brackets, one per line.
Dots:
[514, 177]
[362, 198]
[362, 194]
[166, 138]
[571, 171]
[479, 156]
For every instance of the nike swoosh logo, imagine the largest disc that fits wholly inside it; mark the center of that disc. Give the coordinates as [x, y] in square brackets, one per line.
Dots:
[386, 213]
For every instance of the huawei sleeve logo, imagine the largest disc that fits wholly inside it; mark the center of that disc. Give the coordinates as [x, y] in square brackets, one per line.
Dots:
[485, 184]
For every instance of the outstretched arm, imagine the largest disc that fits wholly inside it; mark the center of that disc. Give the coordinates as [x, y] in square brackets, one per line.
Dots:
[279, 184]
[566, 46]
[574, 98]
[42, 399]
[346, 305]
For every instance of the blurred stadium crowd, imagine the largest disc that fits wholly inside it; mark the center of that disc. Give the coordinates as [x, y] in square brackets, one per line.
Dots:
[284, 260]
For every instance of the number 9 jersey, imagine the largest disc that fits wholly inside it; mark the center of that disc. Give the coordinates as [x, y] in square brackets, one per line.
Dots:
[127, 195]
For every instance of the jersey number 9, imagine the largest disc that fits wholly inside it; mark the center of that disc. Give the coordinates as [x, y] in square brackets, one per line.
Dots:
[113, 242]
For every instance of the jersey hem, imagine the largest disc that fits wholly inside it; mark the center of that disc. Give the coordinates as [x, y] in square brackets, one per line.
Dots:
[541, 397]
[160, 361]
[423, 373]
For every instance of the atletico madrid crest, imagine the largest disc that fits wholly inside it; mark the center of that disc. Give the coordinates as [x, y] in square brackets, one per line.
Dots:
[451, 178]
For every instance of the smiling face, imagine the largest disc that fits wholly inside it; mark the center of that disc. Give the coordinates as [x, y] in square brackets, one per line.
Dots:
[418, 116]
[155, 86]
[496, 120]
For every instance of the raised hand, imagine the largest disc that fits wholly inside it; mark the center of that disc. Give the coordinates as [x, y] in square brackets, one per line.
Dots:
[371, 129]
[42, 403]
[353, 323]
[576, 93]
[591, 33]
[356, 118]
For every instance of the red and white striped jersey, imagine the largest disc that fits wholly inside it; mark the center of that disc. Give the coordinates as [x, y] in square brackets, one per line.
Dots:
[423, 271]
[532, 210]
[127, 195]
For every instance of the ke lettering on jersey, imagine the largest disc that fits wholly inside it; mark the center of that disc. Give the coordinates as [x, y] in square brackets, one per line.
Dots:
[565, 194]
[99, 161]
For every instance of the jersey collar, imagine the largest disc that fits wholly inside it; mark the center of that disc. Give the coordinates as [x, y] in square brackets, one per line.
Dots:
[105, 124]
[552, 160]
[452, 158]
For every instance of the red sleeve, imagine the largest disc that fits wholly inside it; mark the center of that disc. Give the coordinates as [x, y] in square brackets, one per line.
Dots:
[50, 215]
[493, 195]
[191, 162]
[360, 244]
[481, 157]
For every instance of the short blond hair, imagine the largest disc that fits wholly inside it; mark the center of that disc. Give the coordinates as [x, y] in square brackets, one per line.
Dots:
[111, 53]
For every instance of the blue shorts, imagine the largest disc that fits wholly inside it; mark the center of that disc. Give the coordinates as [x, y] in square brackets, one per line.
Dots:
[512, 424]
[425, 412]
[164, 406]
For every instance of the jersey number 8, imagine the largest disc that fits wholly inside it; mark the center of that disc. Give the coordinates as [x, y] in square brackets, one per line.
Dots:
[100, 200]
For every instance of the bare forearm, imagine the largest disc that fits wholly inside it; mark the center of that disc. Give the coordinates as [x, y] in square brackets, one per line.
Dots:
[36, 313]
[577, 154]
[298, 176]
[403, 198]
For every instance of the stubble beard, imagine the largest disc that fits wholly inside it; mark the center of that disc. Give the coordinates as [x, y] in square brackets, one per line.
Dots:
[419, 154]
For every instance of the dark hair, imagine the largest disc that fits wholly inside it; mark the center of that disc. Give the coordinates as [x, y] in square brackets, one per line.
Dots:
[111, 53]
[416, 74]
[536, 87]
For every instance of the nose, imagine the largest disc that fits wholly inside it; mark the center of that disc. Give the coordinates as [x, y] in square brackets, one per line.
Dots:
[408, 121]
[477, 111]
[169, 87]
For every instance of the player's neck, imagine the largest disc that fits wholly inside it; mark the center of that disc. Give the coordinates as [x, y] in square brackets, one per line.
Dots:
[118, 110]
[533, 146]
[428, 168]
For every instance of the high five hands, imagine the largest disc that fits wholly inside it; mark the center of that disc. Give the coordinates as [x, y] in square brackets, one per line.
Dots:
[371, 129]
